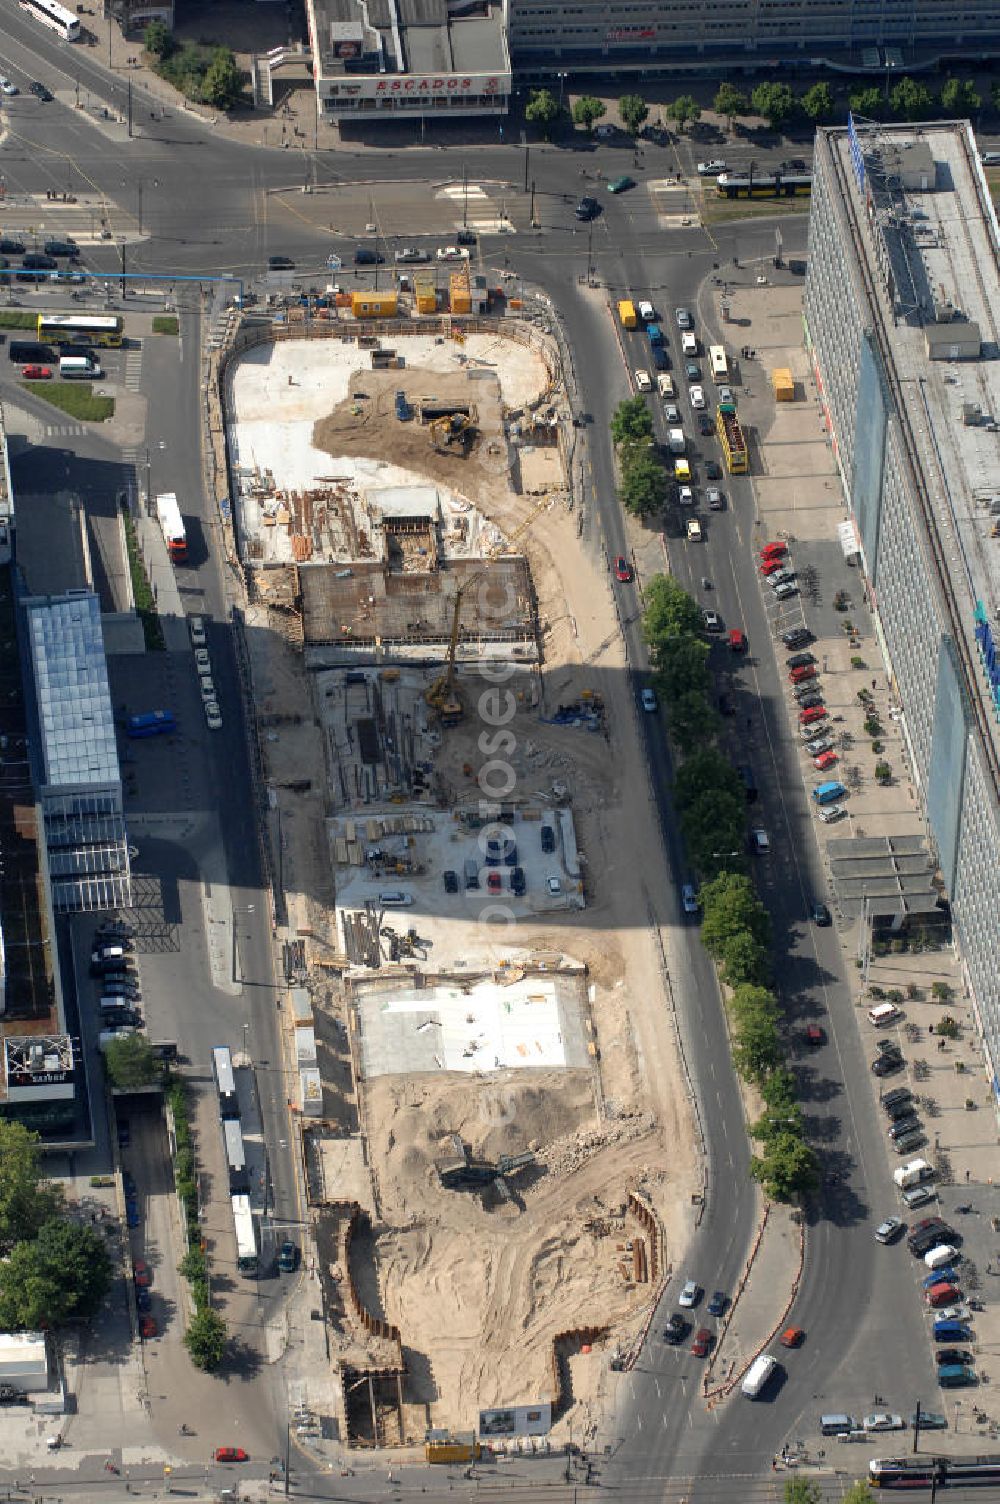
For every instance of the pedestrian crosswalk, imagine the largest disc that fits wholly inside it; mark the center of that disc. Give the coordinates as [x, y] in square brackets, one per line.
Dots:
[63, 430]
[133, 370]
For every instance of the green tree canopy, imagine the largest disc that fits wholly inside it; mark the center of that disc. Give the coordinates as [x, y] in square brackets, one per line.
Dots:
[643, 488]
[786, 1167]
[750, 1000]
[680, 667]
[222, 86]
[669, 612]
[692, 722]
[129, 1062]
[587, 110]
[158, 40]
[729, 101]
[732, 905]
[704, 772]
[912, 100]
[756, 1048]
[858, 1493]
[542, 109]
[205, 1339]
[63, 1273]
[26, 1200]
[817, 102]
[775, 102]
[631, 422]
[713, 827]
[772, 1122]
[744, 961]
[682, 109]
[959, 97]
[633, 112]
[802, 1491]
[778, 1090]
[866, 100]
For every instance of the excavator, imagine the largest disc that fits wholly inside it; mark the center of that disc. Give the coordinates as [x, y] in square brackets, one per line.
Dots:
[442, 696]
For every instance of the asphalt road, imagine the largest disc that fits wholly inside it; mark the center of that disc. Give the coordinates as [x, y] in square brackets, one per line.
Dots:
[862, 1331]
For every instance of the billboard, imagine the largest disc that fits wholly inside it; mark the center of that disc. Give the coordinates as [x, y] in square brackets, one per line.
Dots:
[414, 86]
[515, 1420]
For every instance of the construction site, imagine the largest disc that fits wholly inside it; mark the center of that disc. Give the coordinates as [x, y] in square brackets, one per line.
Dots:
[493, 1202]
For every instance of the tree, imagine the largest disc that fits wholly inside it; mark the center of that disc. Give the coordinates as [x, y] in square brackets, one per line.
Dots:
[959, 97]
[778, 1090]
[633, 111]
[542, 109]
[858, 1493]
[995, 96]
[729, 101]
[643, 488]
[692, 722]
[681, 667]
[752, 1001]
[222, 86]
[631, 422]
[786, 1119]
[682, 109]
[744, 961]
[775, 102]
[129, 1062]
[158, 40]
[712, 824]
[586, 110]
[26, 1201]
[205, 1339]
[61, 1274]
[866, 101]
[731, 905]
[802, 1491]
[817, 102]
[670, 611]
[786, 1167]
[756, 1048]
[912, 101]
[706, 772]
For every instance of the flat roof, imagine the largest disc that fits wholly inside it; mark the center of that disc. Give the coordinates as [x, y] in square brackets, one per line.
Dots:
[71, 688]
[412, 36]
[940, 240]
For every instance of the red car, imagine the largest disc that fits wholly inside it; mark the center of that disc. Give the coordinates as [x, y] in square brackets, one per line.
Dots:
[773, 550]
[623, 570]
[942, 1295]
[230, 1454]
[802, 673]
[771, 566]
[737, 641]
[148, 1327]
[493, 882]
[824, 760]
[814, 1035]
[702, 1344]
[792, 1337]
[142, 1274]
[37, 373]
[814, 713]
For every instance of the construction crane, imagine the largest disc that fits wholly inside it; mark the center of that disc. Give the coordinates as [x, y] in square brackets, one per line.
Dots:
[442, 696]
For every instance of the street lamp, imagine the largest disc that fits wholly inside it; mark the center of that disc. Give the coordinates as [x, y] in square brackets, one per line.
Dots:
[562, 77]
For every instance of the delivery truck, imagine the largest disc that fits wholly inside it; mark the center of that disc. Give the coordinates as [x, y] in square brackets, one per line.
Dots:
[172, 524]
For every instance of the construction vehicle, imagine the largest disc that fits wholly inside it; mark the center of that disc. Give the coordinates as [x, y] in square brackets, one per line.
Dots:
[451, 429]
[458, 1171]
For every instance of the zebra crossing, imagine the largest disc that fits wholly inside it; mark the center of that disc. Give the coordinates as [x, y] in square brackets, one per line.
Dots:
[62, 430]
[133, 370]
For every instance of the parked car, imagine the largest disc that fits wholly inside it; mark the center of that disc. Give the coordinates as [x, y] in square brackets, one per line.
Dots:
[818, 745]
[451, 253]
[941, 1295]
[689, 899]
[796, 637]
[367, 255]
[832, 813]
[929, 1421]
[712, 620]
[148, 1327]
[785, 591]
[814, 1036]
[411, 254]
[917, 1195]
[36, 373]
[142, 1274]
[889, 1230]
[280, 264]
[623, 570]
[712, 471]
[883, 1420]
[914, 1140]
[887, 1065]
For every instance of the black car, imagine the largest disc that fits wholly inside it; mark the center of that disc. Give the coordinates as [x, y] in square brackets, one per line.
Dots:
[718, 1303]
[705, 425]
[810, 702]
[280, 264]
[466, 237]
[365, 256]
[121, 1018]
[712, 471]
[548, 838]
[899, 1109]
[676, 1328]
[906, 1123]
[950, 1355]
[587, 208]
[11, 247]
[897, 1097]
[113, 930]
[41, 92]
[800, 660]
[797, 637]
[794, 164]
[451, 882]
[36, 262]
[517, 882]
[820, 914]
[66, 248]
[887, 1065]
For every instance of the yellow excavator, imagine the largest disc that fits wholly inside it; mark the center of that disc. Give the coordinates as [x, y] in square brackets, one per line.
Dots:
[452, 430]
[442, 696]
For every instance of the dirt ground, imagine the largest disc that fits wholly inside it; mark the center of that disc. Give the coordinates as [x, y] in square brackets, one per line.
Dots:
[480, 1289]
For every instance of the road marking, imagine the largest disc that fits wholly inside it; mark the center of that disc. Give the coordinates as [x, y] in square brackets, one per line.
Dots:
[133, 370]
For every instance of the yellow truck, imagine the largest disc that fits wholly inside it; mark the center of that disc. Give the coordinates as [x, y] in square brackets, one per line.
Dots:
[682, 470]
[461, 1448]
[627, 314]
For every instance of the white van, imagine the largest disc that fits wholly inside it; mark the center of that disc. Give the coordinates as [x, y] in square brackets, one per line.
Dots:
[665, 384]
[79, 368]
[757, 1375]
[914, 1173]
[395, 900]
[689, 343]
[882, 1014]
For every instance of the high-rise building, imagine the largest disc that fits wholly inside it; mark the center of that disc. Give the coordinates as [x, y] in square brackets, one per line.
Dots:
[902, 303]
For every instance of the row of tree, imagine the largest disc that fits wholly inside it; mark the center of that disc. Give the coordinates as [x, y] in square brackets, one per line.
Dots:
[642, 480]
[206, 1335]
[777, 103]
[672, 625]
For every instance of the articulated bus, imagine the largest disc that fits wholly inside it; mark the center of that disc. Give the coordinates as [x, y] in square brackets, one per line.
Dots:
[225, 1082]
[720, 367]
[246, 1235]
[763, 185]
[56, 16]
[80, 329]
[923, 1472]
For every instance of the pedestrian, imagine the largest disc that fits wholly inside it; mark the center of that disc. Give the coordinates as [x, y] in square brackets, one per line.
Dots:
[967, 1173]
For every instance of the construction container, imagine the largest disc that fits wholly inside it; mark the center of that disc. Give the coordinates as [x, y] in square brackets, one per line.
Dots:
[459, 291]
[462, 1447]
[374, 305]
[784, 386]
[425, 292]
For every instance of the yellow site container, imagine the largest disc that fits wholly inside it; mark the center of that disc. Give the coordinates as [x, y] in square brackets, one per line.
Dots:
[425, 293]
[784, 386]
[459, 292]
[373, 305]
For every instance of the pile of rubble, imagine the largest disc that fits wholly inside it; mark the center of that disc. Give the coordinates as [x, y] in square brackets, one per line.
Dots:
[567, 1154]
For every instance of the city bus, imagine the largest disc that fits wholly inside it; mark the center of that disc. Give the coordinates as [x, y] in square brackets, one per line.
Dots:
[80, 329]
[246, 1236]
[151, 723]
[236, 1160]
[763, 185]
[917, 1471]
[53, 15]
[717, 361]
[225, 1082]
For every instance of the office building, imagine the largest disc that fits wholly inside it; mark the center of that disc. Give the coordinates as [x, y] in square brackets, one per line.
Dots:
[901, 306]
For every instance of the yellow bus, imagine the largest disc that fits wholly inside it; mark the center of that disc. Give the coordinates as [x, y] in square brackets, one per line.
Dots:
[717, 361]
[80, 329]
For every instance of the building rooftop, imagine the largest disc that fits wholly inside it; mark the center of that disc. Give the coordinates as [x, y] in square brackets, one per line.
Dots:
[931, 248]
[71, 685]
[408, 37]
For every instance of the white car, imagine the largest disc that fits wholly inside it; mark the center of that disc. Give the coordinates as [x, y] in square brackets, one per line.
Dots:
[647, 313]
[819, 745]
[690, 1293]
[671, 412]
[697, 396]
[939, 1256]
[685, 496]
[196, 627]
[648, 698]
[785, 591]
[411, 254]
[553, 884]
[760, 838]
[953, 1313]
[683, 317]
[213, 715]
[452, 253]
[712, 620]
[207, 690]
[694, 530]
[6, 87]
[882, 1420]
[726, 394]
[689, 898]
[831, 813]
[642, 381]
[714, 498]
[707, 169]
[333, 263]
[202, 662]
[665, 384]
